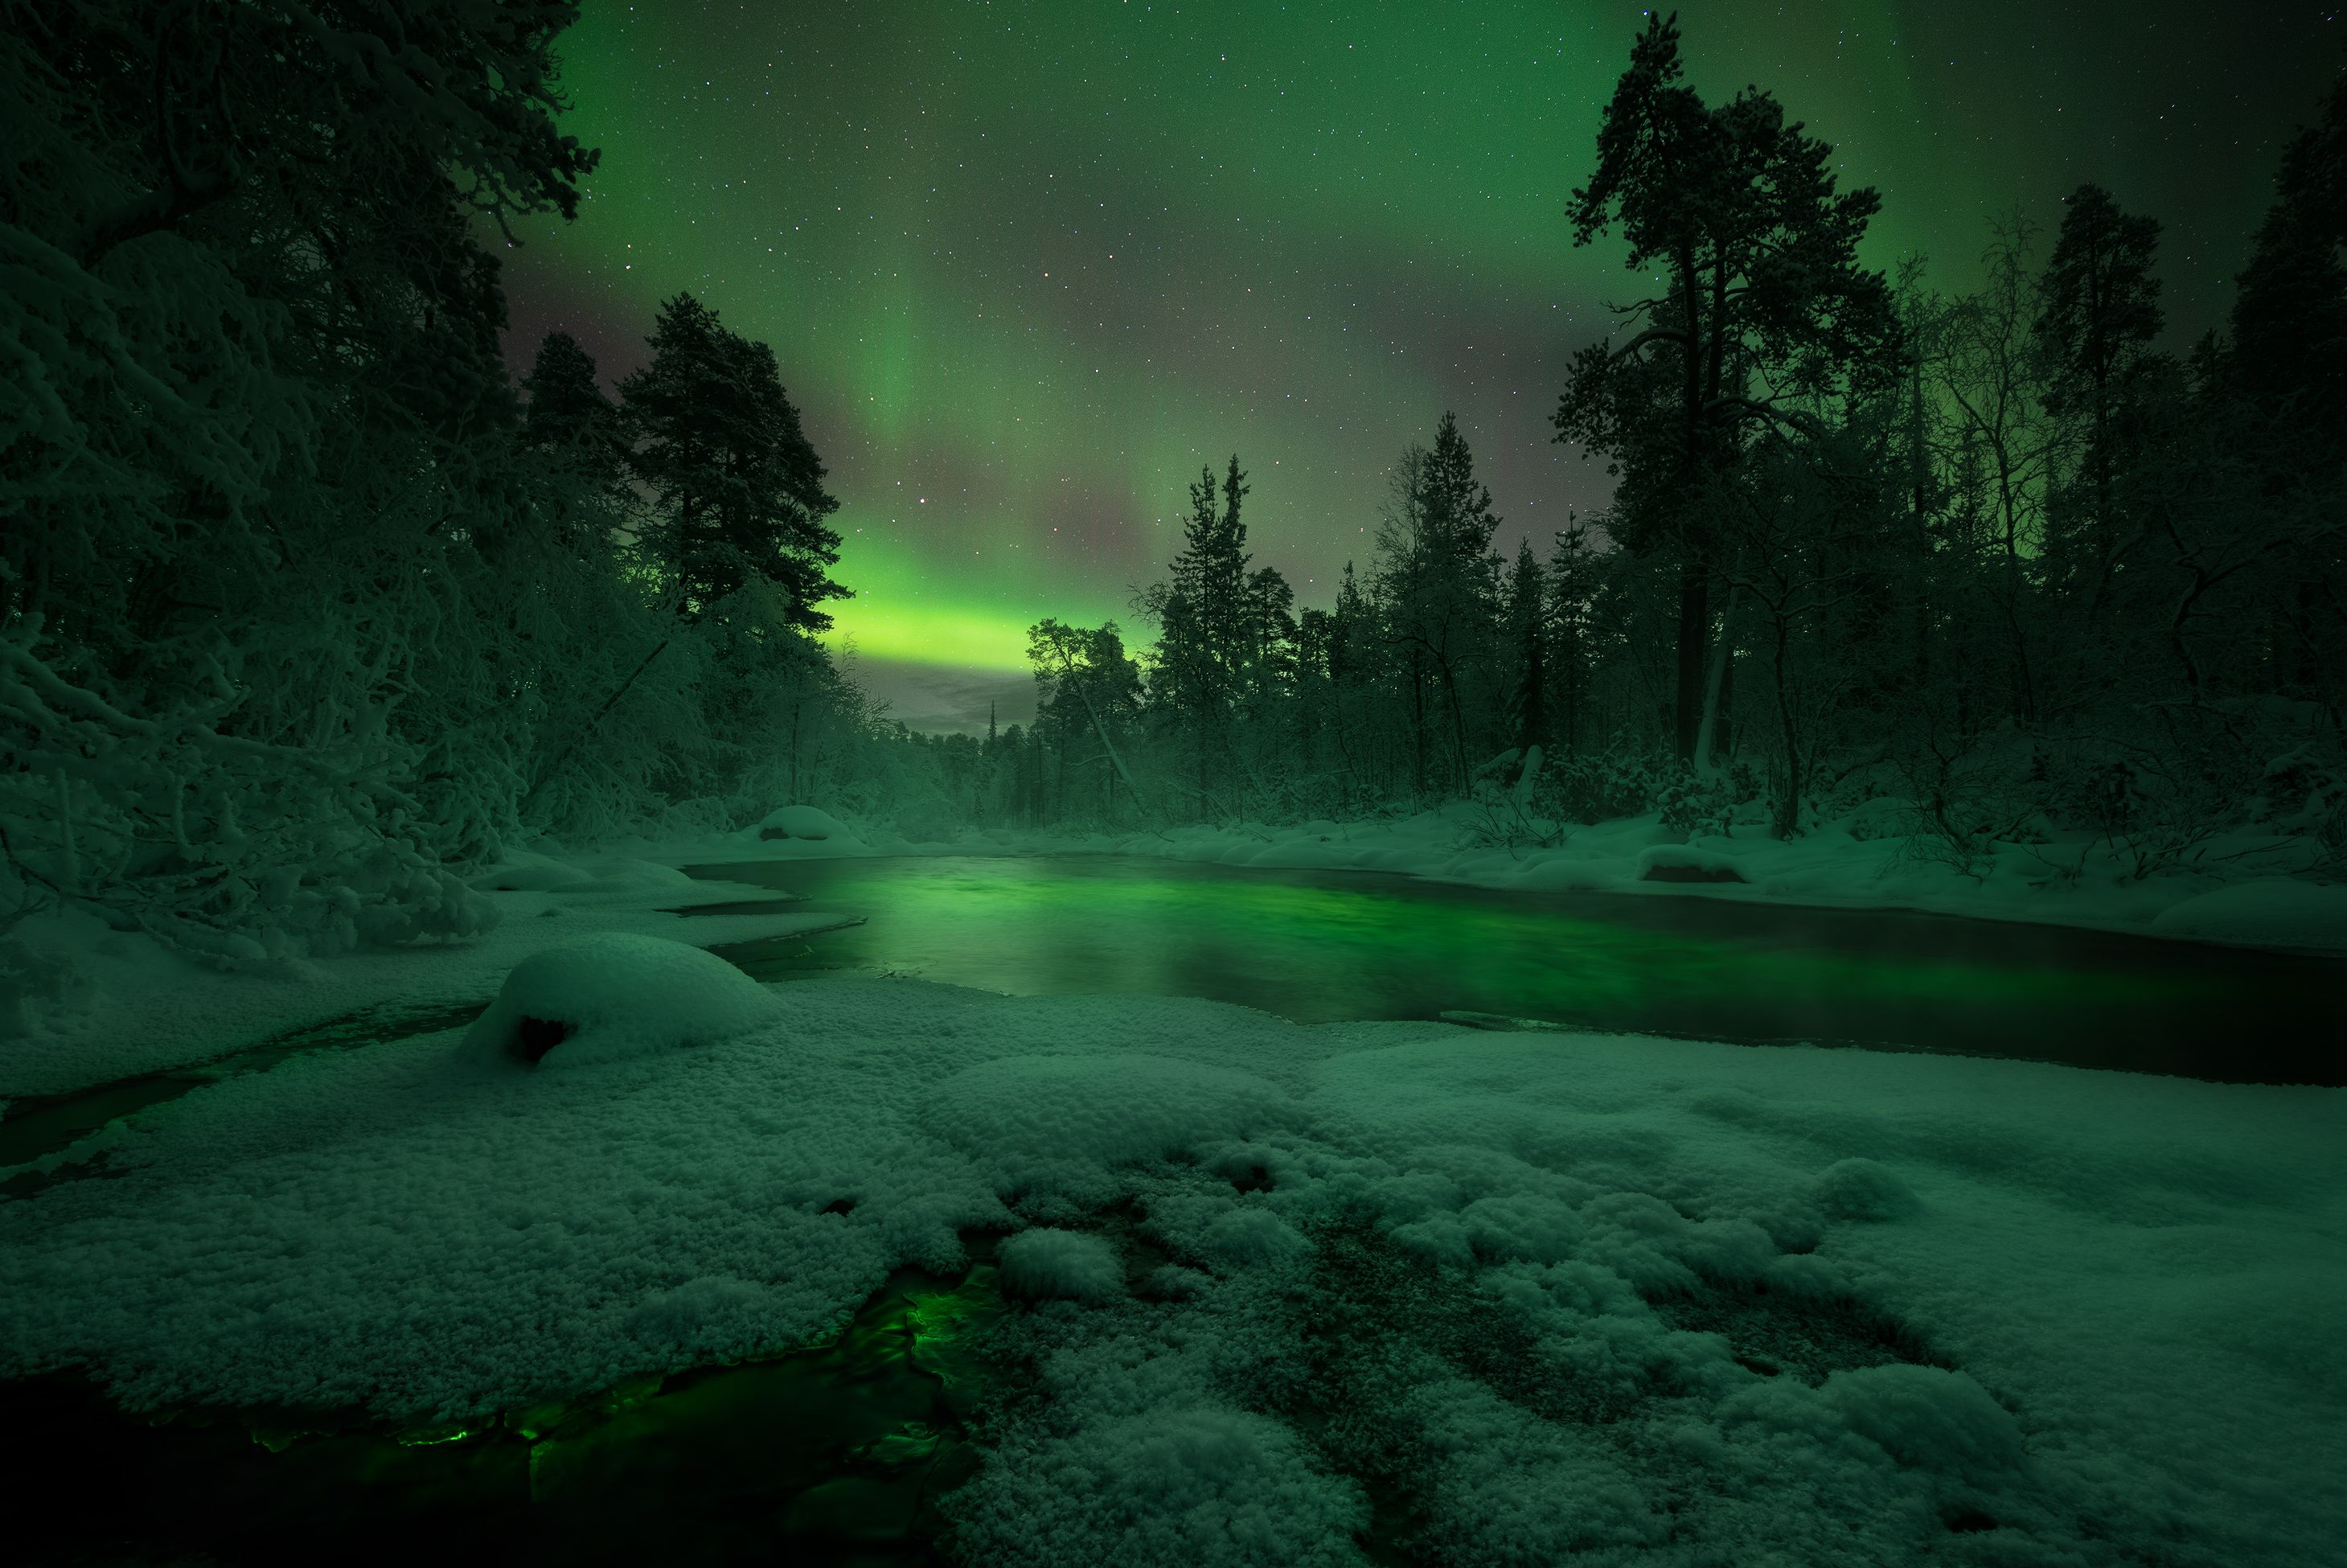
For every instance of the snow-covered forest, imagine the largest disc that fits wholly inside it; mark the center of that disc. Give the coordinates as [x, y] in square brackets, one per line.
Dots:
[306, 607]
[310, 609]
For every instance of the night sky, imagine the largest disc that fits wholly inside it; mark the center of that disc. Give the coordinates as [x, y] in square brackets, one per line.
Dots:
[1026, 267]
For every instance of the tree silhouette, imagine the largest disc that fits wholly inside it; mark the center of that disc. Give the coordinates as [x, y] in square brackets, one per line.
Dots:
[1766, 310]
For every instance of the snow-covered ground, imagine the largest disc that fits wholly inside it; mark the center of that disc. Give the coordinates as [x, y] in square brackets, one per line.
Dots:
[1640, 1298]
[122, 1005]
[2232, 895]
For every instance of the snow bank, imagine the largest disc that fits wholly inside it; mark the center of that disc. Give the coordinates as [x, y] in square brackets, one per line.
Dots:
[619, 995]
[1540, 1295]
[2270, 912]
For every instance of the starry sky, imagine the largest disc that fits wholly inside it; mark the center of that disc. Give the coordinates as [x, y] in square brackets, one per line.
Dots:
[1026, 267]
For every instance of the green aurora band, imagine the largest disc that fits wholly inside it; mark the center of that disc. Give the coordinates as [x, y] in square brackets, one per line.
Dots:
[1028, 267]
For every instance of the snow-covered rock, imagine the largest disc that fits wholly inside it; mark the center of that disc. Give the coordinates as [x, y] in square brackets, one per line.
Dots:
[616, 995]
[800, 822]
[1685, 863]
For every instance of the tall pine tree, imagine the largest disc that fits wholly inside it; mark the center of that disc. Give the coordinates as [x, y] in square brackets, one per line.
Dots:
[1765, 311]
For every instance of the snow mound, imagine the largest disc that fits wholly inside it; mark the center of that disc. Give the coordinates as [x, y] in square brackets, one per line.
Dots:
[1861, 1190]
[1063, 1123]
[2270, 912]
[1045, 1263]
[1208, 1488]
[621, 874]
[616, 995]
[1926, 1417]
[526, 873]
[800, 822]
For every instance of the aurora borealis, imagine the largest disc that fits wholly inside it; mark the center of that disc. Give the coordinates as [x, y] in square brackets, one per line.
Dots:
[1026, 268]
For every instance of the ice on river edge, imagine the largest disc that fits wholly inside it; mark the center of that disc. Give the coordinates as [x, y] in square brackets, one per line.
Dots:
[1617, 1295]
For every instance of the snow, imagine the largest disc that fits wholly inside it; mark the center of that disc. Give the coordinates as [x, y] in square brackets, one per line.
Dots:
[1639, 1296]
[81, 1004]
[1047, 1262]
[617, 995]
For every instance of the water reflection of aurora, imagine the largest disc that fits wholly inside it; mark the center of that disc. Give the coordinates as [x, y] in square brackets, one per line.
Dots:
[1320, 947]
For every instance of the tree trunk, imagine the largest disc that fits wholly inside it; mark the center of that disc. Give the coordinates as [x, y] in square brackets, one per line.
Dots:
[1068, 667]
[1694, 617]
[1707, 738]
[1786, 820]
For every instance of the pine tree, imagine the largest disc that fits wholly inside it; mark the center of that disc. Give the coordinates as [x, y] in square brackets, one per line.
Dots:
[738, 487]
[567, 411]
[1528, 629]
[2289, 319]
[1573, 570]
[1766, 310]
[1436, 578]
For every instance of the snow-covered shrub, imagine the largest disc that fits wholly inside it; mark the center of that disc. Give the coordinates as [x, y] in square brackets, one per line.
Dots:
[1698, 805]
[2155, 811]
[1617, 783]
[35, 986]
[2304, 791]
[1045, 1263]
[1962, 801]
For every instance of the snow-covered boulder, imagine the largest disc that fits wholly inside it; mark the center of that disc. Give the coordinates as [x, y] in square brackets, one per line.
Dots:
[1927, 1417]
[800, 822]
[615, 995]
[1685, 863]
[523, 872]
[1860, 1189]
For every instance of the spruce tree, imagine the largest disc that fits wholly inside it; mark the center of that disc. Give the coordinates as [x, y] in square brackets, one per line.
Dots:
[2289, 319]
[1203, 620]
[1528, 629]
[2097, 317]
[738, 489]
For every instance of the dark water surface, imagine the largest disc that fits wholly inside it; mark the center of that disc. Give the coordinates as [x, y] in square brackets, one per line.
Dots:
[1322, 946]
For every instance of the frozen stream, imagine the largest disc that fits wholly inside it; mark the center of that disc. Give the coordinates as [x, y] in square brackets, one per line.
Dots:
[1319, 946]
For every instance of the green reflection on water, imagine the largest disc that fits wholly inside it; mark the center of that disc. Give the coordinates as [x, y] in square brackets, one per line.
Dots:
[1318, 948]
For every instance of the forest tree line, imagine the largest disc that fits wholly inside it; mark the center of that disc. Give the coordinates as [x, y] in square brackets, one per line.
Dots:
[1994, 559]
[306, 608]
